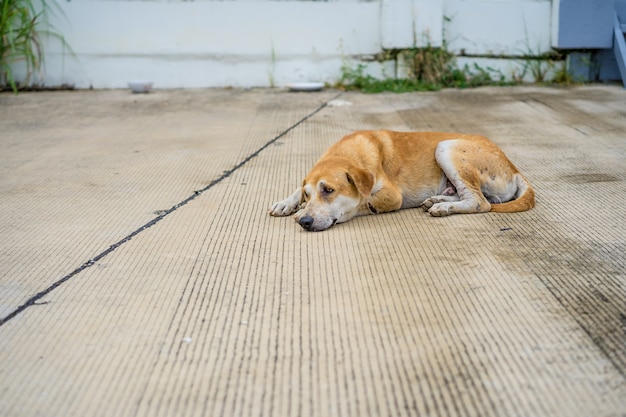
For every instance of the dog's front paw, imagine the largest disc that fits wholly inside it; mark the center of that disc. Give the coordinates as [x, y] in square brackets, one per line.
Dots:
[282, 208]
[440, 209]
[287, 206]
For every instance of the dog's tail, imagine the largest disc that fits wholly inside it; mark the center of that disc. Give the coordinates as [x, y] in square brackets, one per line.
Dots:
[524, 198]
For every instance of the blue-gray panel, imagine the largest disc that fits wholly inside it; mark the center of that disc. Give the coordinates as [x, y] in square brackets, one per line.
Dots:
[620, 8]
[586, 24]
[608, 69]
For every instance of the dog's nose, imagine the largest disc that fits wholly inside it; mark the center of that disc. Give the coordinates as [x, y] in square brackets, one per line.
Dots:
[306, 222]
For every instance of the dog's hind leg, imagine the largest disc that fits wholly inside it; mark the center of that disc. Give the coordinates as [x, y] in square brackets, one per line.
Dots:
[454, 159]
[436, 199]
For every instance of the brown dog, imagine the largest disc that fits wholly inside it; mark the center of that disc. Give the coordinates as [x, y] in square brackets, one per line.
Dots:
[371, 172]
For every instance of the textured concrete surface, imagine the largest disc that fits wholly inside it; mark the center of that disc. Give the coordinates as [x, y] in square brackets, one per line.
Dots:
[140, 274]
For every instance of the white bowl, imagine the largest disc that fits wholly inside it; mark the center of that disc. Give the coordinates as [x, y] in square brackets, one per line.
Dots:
[305, 86]
[140, 86]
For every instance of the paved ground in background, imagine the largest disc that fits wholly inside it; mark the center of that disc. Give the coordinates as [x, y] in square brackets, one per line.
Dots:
[141, 276]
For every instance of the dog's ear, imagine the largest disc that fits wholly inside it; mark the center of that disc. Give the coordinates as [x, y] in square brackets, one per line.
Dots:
[362, 180]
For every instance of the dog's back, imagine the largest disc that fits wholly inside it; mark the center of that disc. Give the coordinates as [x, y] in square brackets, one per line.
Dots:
[408, 160]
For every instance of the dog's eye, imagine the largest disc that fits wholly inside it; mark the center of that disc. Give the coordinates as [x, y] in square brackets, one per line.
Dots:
[327, 190]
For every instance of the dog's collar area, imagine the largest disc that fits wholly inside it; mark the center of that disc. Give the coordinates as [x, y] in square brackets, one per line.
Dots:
[371, 208]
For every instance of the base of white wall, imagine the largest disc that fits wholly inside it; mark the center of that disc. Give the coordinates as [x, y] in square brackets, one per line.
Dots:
[115, 72]
[96, 71]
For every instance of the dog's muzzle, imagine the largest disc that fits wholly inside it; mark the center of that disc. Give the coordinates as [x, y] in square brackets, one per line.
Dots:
[307, 223]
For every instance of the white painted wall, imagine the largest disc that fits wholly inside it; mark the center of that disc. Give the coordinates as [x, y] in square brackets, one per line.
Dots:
[498, 27]
[243, 43]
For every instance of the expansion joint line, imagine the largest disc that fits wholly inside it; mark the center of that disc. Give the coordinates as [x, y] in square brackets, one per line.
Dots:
[35, 299]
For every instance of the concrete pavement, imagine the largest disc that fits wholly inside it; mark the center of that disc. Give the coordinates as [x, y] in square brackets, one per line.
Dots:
[141, 276]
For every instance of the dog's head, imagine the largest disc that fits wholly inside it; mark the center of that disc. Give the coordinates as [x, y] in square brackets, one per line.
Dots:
[333, 192]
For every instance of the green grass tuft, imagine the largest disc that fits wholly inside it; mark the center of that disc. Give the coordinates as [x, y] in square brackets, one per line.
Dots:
[23, 23]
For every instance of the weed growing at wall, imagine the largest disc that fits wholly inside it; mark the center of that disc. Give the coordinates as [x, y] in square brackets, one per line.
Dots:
[23, 24]
[428, 69]
[356, 79]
